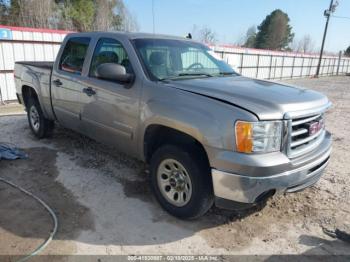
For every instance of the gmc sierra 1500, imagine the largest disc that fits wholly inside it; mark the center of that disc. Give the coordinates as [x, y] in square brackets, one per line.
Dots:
[208, 134]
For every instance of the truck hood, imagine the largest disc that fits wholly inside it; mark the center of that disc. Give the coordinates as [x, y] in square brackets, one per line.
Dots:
[267, 100]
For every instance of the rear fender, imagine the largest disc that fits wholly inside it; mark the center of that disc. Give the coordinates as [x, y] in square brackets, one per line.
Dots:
[31, 79]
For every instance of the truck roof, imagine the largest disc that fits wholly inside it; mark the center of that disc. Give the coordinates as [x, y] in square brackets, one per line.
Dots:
[131, 36]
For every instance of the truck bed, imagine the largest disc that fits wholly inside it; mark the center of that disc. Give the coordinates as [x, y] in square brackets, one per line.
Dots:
[44, 65]
[40, 71]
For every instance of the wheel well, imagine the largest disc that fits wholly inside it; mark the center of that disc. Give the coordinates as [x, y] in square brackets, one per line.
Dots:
[28, 92]
[158, 135]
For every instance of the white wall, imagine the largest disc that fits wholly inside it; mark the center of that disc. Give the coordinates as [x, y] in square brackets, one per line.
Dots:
[23, 47]
[266, 64]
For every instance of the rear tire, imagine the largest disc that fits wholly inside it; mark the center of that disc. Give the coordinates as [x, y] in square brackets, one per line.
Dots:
[184, 191]
[40, 126]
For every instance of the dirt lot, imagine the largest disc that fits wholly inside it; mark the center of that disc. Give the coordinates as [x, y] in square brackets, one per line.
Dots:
[104, 204]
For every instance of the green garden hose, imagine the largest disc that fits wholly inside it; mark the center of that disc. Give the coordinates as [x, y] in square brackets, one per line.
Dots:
[54, 219]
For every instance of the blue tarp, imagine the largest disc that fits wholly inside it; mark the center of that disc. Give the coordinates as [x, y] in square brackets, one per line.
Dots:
[11, 153]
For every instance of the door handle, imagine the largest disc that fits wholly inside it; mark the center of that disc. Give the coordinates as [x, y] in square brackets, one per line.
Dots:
[89, 91]
[57, 82]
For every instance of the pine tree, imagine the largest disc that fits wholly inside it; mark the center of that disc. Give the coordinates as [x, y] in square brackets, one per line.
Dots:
[274, 32]
[347, 51]
[81, 13]
[250, 37]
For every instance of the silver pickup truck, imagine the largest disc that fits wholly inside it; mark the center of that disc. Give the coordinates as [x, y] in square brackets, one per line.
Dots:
[208, 134]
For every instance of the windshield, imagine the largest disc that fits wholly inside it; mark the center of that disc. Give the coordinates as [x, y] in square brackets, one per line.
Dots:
[176, 59]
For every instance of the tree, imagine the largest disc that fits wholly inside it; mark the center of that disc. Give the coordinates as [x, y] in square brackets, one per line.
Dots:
[31, 13]
[250, 38]
[207, 35]
[274, 32]
[347, 51]
[203, 34]
[195, 32]
[76, 15]
[80, 13]
[305, 44]
[125, 21]
[113, 15]
[3, 11]
[104, 15]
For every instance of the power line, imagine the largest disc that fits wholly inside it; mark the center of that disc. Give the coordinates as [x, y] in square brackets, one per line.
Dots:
[342, 17]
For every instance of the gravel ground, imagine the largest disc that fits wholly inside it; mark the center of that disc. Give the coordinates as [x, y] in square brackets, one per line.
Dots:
[104, 204]
[11, 109]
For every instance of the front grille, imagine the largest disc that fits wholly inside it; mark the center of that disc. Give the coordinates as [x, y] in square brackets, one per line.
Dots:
[301, 139]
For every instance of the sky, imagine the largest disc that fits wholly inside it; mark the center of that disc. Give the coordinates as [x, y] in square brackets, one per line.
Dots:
[230, 19]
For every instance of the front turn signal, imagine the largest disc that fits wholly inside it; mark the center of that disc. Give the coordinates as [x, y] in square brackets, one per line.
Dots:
[244, 134]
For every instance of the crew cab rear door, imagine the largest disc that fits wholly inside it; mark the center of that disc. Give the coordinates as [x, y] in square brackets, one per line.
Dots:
[66, 81]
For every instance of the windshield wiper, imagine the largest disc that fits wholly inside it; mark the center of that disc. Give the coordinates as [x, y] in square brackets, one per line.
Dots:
[195, 74]
[227, 73]
[184, 74]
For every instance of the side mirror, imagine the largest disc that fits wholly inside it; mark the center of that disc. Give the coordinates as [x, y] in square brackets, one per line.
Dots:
[114, 72]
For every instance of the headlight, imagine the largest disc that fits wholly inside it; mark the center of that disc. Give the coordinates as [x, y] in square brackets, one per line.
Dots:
[258, 137]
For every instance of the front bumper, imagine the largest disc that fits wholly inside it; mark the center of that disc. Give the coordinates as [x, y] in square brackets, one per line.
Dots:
[257, 183]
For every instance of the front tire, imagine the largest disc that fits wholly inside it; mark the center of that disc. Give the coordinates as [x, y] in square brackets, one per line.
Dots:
[40, 126]
[181, 181]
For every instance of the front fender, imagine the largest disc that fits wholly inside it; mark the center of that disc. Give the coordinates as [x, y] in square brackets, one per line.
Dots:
[197, 123]
[209, 121]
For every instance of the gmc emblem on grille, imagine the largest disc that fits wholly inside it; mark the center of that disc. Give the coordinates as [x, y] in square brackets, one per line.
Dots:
[315, 127]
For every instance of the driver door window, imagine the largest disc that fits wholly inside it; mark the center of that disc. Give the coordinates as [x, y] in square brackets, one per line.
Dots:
[109, 51]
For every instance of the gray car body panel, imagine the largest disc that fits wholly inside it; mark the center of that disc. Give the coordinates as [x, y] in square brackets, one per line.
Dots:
[204, 108]
[38, 79]
[266, 99]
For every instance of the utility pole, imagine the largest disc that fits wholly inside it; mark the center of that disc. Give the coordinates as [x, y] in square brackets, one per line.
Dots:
[327, 13]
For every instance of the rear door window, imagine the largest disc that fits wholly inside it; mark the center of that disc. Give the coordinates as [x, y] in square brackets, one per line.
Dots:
[73, 56]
